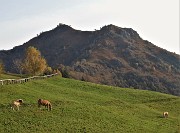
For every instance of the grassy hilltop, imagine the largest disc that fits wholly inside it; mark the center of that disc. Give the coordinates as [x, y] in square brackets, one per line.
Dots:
[86, 107]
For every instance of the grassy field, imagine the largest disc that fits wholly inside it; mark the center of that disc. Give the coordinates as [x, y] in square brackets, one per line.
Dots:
[80, 107]
[9, 76]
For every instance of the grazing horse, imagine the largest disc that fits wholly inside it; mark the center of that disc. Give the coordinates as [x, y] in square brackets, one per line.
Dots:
[165, 114]
[45, 103]
[16, 104]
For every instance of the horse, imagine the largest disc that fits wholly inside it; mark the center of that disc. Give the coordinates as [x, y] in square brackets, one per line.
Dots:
[16, 104]
[45, 103]
[165, 114]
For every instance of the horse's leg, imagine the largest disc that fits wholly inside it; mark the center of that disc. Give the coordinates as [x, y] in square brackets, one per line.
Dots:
[39, 106]
[48, 106]
[12, 107]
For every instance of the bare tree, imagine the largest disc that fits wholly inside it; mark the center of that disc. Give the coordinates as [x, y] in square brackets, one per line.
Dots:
[18, 65]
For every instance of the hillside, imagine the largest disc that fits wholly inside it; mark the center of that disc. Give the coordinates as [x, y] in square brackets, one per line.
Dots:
[86, 107]
[112, 56]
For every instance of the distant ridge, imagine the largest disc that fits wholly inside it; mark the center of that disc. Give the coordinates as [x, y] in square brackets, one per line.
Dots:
[112, 55]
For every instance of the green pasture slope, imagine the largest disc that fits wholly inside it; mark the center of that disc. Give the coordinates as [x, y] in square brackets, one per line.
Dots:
[9, 76]
[81, 107]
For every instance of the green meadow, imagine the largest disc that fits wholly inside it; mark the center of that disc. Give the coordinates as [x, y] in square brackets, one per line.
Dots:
[82, 107]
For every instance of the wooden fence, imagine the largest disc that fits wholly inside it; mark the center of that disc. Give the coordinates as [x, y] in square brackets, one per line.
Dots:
[23, 80]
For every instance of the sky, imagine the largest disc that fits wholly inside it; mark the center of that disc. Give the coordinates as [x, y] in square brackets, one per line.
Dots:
[155, 20]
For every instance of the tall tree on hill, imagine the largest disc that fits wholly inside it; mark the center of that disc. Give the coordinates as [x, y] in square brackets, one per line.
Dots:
[1, 67]
[34, 63]
[18, 65]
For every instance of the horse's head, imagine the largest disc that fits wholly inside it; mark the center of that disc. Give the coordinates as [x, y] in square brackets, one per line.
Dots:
[40, 102]
[20, 101]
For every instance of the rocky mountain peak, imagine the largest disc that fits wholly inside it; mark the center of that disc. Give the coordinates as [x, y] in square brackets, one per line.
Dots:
[63, 26]
[127, 33]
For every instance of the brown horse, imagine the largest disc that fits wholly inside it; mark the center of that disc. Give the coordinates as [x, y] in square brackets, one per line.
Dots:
[16, 104]
[45, 103]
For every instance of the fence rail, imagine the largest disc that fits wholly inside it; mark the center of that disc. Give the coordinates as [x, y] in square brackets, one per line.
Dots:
[23, 80]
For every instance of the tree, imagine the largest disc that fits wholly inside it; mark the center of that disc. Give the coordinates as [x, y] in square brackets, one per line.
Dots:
[48, 70]
[57, 71]
[64, 71]
[18, 65]
[34, 63]
[1, 67]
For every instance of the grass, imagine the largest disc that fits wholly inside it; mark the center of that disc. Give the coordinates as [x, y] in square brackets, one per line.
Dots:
[9, 76]
[81, 107]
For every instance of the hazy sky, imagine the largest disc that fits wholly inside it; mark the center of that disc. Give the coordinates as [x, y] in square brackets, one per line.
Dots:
[155, 20]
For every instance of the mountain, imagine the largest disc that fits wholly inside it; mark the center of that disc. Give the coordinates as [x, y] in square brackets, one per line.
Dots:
[112, 56]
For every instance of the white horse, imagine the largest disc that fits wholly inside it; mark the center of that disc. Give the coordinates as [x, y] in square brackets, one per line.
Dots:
[16, 104]
[165, 114]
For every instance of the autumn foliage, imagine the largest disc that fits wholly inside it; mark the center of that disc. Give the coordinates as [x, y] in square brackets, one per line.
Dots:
[34, 63]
